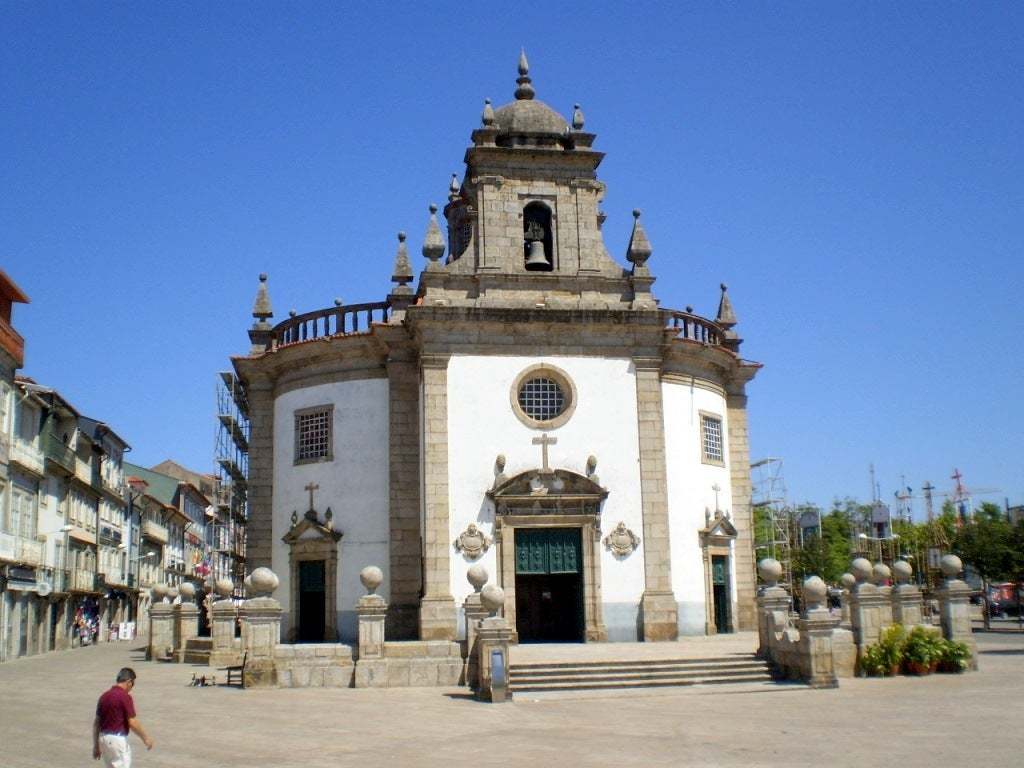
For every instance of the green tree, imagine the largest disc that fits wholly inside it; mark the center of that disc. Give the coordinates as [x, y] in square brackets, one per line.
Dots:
[990, 545]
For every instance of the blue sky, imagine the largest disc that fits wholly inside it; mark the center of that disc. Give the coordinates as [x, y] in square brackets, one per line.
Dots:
[853, 172]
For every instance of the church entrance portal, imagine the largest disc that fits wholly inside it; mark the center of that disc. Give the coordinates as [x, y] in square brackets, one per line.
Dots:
[720, 587]
[312, 596]
[549, 585]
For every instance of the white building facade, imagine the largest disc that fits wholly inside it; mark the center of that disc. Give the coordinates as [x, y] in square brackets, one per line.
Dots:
[526, 405]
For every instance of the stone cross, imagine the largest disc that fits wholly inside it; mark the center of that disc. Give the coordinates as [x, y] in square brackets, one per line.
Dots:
[544, 441]
[312, 487]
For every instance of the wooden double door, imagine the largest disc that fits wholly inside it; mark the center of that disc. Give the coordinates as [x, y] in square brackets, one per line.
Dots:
[549, 585]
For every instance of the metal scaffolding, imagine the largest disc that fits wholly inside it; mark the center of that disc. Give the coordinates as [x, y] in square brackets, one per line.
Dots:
[231, 455]
[769, 497]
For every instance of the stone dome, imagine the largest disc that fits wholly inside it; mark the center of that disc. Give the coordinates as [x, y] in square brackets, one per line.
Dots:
[529, 116]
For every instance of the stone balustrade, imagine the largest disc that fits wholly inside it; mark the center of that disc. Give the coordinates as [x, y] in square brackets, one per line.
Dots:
[333, 321]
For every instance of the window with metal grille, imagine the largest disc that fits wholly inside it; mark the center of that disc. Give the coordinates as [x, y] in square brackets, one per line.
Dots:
[711, 439]
[541, 398]
[313, 434]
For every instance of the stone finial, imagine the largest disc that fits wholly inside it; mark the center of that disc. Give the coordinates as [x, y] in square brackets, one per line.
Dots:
[726, 316]
[433, 243]
[492, 597]
[453, 188]
[224, 587]
[261, 308]
[263, 581]
[847, 580]
[861, 569]
[524, 87]
[487, 118]
[770, 570]
[903, 571]
[577, 118]
[402, 273]
[591, 465]
[814, 591]
[158, 593]
[187, 590]
[951, 566]
[880, 574]
[172, 593]
[639, 246]
[477, 576]
[371, 576]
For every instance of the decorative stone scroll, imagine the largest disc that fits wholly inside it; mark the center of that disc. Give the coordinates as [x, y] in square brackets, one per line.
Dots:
[473, 542]
[621, 541]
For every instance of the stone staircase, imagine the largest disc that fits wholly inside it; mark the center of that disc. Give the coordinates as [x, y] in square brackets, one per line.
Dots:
[197, 650]
[643, 673]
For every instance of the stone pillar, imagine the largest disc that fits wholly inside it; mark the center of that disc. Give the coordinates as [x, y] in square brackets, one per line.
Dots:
[223, 652]
[955, 606]
[658, 608]
[493, 636]
[907, 606]
[186, 620]
[816, 626]
[437, 606]
[261, 631]
[772, 605]
[161, 631]
[737, 444]
[847, 580]
[258, 527]
[881, 575]
[406, 556]
[865, 606]
[474, 613]
[372, 609]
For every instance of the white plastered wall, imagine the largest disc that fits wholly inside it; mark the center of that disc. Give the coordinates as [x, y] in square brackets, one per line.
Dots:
[482, 424]
[354, 484]
[690, 493]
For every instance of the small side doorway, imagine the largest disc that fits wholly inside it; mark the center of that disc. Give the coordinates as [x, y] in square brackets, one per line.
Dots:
[549, 585]
[312, 600]
[720, 593]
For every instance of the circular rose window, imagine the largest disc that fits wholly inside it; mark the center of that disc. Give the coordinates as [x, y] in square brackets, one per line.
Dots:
[543, 397]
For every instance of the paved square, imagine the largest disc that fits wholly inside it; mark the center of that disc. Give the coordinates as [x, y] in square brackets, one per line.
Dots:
[47, 704]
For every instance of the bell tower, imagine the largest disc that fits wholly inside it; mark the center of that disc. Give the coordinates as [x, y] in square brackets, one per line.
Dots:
[524, 223]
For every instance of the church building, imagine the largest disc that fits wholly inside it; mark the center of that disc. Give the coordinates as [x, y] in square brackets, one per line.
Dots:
[524, 403]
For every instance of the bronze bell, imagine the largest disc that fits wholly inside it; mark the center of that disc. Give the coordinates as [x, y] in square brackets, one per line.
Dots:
[535, 259]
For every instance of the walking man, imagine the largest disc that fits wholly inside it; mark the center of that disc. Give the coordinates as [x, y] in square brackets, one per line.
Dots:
[115, 716]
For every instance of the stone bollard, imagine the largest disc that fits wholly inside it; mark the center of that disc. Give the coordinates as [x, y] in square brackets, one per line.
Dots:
[161, 625]
[772, 600]
[492, 640]
[865, 605]
[261, 630]
[907, 607]
[816, 625]
[474, 613]
[186, 620]
[955, 606]
[371, 609]
[847, 580]
[223, 652]
[881, 575]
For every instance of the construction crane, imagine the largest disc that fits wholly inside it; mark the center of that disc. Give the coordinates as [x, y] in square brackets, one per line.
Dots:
[961, 496]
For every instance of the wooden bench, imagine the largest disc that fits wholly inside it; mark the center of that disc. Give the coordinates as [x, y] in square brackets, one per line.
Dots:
[234, 672]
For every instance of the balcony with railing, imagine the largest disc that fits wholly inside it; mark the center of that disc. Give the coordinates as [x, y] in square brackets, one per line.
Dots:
[339, 320]
[29, 551]
[83, 580]
[58, 452]
[154, 531]
[27, 455]
[12, 342]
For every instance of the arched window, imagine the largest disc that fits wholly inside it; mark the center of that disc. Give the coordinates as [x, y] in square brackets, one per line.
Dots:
[538, 247]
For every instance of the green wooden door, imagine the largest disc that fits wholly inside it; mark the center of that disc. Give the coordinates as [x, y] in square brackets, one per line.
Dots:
[548, 550]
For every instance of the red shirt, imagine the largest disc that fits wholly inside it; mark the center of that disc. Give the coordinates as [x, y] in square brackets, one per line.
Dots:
[114, 709]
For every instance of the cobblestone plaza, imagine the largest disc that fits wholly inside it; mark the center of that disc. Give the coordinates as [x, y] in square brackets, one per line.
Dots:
[49, 702]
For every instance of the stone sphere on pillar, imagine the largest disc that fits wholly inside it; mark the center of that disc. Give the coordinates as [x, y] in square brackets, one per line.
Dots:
[159, 592]
[224, 587]
[815, 591]
[903, 571]
[951, 566]
[881, 574]
[493, 598]
[187, 590]
[263, 581]
[847, 580]
[477, 576]
[172, 593]
[770, 570]
[372, 577]
[861, 569]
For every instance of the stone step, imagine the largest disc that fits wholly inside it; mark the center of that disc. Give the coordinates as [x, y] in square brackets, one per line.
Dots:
[516, 677]
[600, 667]
[588, 685]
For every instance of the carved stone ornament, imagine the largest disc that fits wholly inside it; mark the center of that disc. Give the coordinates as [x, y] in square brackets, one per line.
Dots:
[473, 542]
[621, 541]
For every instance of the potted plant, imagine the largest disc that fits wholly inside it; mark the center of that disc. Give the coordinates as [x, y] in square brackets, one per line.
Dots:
[891, 643]
[921, 648]
[955, 656]
[872, 662]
